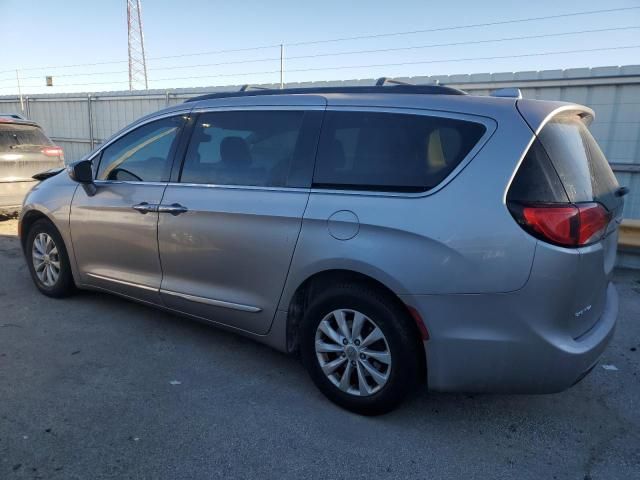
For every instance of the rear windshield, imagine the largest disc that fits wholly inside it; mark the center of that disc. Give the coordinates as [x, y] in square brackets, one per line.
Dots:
[13, 134]
[391, 151]
[578, 160]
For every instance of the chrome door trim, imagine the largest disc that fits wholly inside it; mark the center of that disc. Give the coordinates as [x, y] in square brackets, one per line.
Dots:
[213, 302]
[145, 207]
[174, 209]
[122, 282]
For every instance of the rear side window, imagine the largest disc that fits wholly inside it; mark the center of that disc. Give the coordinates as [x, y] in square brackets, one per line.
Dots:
[390, 151]
[578, 160]
[252, 148]
[11, 135]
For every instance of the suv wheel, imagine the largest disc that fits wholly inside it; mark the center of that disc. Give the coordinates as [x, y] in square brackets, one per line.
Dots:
[48, 260]
[359, 349]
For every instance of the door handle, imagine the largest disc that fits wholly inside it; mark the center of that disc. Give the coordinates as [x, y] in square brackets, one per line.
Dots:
[174, 209]
[145, 208]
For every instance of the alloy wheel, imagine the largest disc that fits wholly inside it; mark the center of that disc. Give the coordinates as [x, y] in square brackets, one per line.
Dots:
[46, 259]
[353, 352]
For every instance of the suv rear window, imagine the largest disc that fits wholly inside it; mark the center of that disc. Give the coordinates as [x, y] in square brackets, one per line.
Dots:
[391, 151]
[15, 134]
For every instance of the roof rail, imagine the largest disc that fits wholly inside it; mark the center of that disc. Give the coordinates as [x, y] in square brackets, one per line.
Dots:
[248, 86]
[13, 115]
[384, 80]
[365, 89]
[511, 92]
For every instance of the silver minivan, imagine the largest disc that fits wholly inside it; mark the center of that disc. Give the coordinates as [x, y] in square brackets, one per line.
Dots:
[389, 234]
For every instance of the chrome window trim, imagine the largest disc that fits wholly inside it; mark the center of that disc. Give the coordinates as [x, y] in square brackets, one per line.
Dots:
[203, 185]
[128, 182]
[122, 282]
[278, 108]
[213, 302]
[489, 123]
[240, 187]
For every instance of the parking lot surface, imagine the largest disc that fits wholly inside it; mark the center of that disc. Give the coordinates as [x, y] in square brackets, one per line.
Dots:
[98, 387]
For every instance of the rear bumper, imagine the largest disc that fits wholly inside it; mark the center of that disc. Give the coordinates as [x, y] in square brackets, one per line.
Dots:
[499, 343]
[12, 195]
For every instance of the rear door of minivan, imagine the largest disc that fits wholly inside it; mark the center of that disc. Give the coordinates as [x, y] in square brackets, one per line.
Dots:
[229, 223]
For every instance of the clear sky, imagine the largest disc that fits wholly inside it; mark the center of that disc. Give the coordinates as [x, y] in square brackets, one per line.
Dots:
[40, 36]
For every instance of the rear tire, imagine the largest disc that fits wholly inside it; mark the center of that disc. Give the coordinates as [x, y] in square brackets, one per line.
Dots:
[48, 260]
[359, 348]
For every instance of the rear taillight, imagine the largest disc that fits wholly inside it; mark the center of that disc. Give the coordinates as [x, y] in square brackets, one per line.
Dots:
[52, 151]
[567, 225]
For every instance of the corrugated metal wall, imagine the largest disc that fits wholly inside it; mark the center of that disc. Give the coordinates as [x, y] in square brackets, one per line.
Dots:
[613, 92]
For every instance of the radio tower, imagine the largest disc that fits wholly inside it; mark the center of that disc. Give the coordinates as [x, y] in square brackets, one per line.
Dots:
[137, 59]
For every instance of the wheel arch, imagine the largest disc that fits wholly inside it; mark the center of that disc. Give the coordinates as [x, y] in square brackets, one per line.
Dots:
[26, 222]
[322, 279]
[59, 220]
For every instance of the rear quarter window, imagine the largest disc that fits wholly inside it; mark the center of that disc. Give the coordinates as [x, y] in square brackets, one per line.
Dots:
[391, 151]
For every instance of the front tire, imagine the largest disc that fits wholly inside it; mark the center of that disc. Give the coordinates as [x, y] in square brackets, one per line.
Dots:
[359, 348]
[48, 260]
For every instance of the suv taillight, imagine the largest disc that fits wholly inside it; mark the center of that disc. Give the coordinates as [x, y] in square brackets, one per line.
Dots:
[53, 151]
[567, 225]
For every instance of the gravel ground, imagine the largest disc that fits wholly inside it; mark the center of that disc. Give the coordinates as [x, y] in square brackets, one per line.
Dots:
[98, 387]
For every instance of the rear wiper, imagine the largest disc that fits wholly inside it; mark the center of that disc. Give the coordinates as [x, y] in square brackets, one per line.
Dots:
[20, 145]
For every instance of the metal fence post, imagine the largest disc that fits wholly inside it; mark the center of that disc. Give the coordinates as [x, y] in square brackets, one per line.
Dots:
[166, 98]
[28, 110]
[90, 115]
[281, 65]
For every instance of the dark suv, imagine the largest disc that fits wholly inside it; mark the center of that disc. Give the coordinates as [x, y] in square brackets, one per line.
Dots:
[24, 151]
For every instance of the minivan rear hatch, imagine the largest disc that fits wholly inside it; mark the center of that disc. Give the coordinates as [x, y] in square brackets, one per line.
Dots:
[566, 194]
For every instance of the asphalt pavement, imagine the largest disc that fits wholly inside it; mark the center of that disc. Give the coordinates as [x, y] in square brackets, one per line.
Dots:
[96, 387]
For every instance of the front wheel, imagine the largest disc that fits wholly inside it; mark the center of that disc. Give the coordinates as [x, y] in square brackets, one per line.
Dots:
[359, 348]
[48, 260]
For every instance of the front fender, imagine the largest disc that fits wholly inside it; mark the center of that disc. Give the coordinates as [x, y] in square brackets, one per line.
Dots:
[51, 199]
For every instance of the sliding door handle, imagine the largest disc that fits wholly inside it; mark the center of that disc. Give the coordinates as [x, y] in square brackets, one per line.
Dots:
[145, 207]
[174, 209]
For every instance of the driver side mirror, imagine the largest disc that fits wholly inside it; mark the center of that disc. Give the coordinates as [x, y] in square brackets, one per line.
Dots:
[82, 172]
